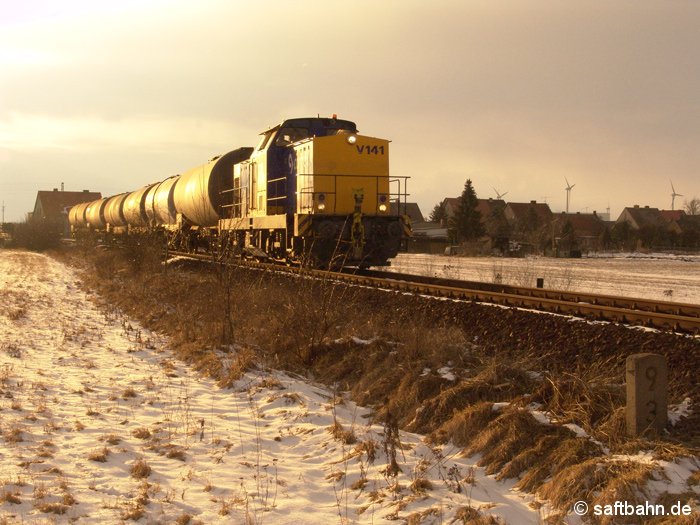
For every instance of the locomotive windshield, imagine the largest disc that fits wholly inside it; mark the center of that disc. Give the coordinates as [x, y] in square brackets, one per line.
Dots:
[289, 135]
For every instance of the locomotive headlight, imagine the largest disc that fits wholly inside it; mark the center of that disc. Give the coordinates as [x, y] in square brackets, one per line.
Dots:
[383, 203]
[321, 206]
[321, 201]
[352, 139]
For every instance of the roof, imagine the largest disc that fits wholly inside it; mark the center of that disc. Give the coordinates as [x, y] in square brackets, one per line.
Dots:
[412, 210]
[53, 203]
[584, 224]
[672, 215]
[428, 230]
[520, 211]
[641, 217]
[487, 206]
[484, 206]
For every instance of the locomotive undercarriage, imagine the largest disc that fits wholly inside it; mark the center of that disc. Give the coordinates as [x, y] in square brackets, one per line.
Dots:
[321, 241]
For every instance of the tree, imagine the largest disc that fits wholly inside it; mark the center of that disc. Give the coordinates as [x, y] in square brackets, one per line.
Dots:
[466, 224]
[606, 239]
[439, 213]
[692, 207]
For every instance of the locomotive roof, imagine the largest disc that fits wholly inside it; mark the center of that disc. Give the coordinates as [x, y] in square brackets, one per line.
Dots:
[312, 122]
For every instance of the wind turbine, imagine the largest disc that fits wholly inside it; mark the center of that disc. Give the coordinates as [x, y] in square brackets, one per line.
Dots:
[673, 195]
[499, 196]
[569, 187]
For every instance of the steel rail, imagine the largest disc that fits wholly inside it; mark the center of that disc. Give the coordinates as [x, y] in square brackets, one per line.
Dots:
[626, 310]
[631, 303]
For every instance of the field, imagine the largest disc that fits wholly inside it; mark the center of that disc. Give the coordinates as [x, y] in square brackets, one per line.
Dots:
[105, 420]
[663, 277]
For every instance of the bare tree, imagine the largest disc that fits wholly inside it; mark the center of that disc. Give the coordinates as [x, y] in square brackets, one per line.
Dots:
[692, 206]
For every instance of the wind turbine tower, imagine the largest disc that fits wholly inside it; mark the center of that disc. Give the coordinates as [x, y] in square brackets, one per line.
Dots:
[673, 195]
[569, 187]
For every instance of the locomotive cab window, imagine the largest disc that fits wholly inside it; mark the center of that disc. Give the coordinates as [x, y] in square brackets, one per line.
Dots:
[287, 136]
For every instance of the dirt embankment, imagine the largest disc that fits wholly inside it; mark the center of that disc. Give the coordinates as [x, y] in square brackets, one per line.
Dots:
[462, 371]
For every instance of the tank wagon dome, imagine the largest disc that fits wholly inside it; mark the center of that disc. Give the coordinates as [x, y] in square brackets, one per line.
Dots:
[134, 207]
[164, 201]
[94, 214]
[114, 213]
[198, 193]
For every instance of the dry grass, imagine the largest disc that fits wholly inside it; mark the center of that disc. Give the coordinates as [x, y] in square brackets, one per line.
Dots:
[473, 517]
[51, 507]
[597, 483]
[99, 455]
[14, 435]
[140, 469]
[465, 425]
[224, 323]
[141, 433]
[243, 360]
[112, 439]
[175, 452]
[129, 393]
[10, 497]
[420, 485]
[347, 437]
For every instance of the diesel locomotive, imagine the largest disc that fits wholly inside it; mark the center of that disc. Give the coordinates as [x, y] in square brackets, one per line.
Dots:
[313, 190]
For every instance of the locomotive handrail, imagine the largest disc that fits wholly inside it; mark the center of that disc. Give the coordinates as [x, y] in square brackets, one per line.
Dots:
[398, 196]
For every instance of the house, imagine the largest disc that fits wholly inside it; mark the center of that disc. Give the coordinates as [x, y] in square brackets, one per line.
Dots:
[528, 215]
[487, 207]
[650, 227]
[689, 226]
[411, 209]
[642, 217]
[577, 232]
[530, 224]
[53, 205]
[426, 237]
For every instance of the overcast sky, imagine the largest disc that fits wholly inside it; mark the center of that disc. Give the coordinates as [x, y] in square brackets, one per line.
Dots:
[517, 95]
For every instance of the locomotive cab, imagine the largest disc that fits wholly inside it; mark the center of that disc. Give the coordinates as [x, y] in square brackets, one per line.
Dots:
[314, 189]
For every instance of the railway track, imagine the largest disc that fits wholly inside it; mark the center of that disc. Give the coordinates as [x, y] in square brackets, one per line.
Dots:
[664, 315]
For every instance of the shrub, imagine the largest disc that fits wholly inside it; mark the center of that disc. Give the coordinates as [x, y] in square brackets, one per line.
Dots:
[39, 234]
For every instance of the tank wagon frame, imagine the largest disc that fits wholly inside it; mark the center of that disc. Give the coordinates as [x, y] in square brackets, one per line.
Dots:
[312, 190]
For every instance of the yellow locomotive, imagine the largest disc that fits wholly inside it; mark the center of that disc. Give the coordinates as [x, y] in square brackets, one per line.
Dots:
[312, 189]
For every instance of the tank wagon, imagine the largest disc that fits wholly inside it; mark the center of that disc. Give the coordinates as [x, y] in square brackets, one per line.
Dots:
[312, 189]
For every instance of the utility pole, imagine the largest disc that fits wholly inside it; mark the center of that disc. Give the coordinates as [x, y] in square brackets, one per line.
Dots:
[3, 214]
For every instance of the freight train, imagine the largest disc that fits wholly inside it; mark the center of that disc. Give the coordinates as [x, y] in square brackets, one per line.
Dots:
[313, 190]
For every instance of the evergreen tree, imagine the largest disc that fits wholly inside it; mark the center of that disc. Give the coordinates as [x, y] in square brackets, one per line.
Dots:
[466, 224]
[439, 213]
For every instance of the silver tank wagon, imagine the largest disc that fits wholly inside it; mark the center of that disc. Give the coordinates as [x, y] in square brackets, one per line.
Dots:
[94, 214]
[164, 201]
[198, 194]
[134, 208]
[114, 214]
[76, 215]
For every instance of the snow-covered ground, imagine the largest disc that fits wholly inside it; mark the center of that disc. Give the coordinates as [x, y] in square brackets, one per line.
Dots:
[664, 277]
[88, 396]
